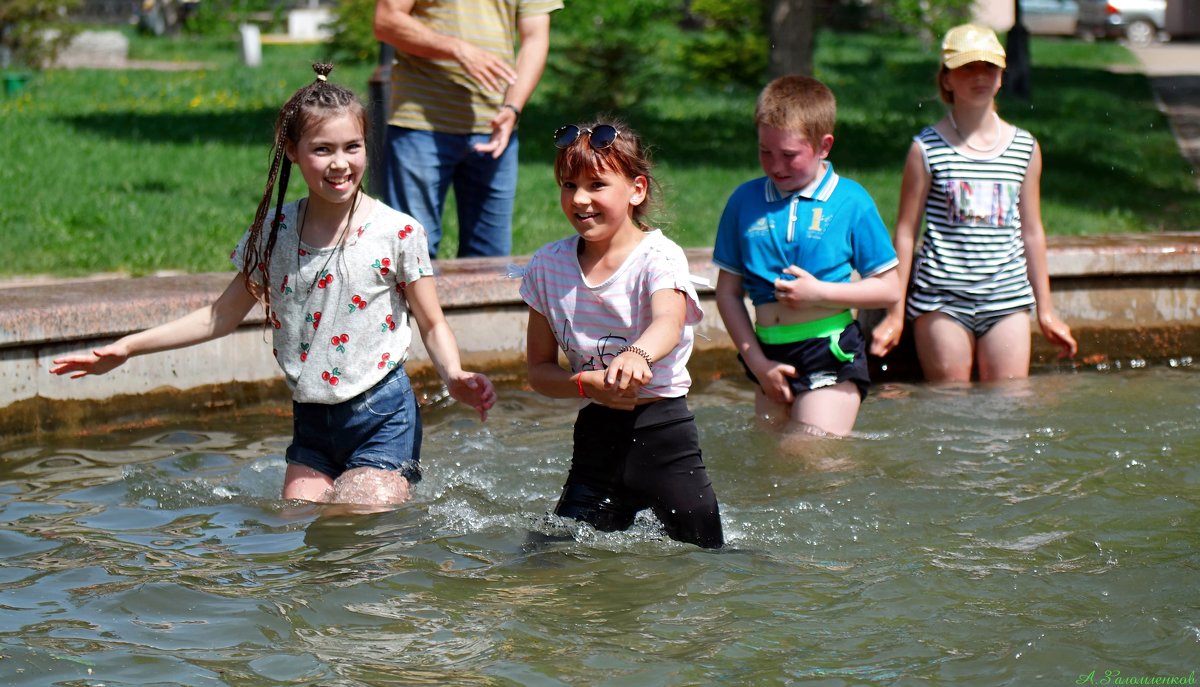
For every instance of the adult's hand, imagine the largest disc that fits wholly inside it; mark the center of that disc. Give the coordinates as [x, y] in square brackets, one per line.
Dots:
[487, 69]
[502, 125]
[395, 25]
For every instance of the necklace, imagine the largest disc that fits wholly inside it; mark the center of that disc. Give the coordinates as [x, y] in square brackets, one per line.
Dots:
[319, 276]
[967, 142]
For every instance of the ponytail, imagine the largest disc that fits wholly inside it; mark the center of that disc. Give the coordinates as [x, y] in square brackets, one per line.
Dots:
[312, 104]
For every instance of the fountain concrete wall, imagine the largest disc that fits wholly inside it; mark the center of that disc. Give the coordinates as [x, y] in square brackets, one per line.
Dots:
[1130, 300]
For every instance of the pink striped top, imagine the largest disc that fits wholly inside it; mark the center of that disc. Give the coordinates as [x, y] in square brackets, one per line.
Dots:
[592, 322]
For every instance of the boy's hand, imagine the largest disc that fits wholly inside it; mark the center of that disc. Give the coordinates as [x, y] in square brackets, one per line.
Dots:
[97, 362]
[773, 378]
[597, 388]
[886, 335]
[801, 292]
[473, 389]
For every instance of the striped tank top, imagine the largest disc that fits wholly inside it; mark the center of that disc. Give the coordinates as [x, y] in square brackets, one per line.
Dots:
[972, 251]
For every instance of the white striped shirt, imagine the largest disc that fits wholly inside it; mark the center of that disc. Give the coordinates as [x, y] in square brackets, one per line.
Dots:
[972, 249]
[592, 322]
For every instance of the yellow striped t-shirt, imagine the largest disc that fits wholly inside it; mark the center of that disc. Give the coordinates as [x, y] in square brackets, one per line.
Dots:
[438, 95]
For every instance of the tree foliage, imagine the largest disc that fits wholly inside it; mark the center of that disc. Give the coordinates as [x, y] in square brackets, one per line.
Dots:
[353, 32]
[33, 32]
[609, 55]
[927, 19]
[727, 42]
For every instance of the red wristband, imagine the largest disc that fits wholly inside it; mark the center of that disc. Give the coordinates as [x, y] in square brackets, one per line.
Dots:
[579, 381]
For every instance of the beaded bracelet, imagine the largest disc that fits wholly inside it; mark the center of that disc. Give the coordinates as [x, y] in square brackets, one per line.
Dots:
[639, 351]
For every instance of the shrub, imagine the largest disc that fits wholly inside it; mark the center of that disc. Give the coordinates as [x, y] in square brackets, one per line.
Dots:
[727, 44]
[33, 32]
[222, 17]
[927, 19]
[609, 55]
[353, 32]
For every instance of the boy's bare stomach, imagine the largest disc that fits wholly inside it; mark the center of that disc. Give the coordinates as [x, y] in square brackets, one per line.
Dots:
[773, 314]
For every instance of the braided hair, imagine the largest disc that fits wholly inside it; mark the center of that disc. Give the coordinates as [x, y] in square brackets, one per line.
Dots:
[312, 105]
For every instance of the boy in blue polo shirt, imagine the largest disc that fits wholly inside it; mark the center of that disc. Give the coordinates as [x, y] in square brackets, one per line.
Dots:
[790, 241]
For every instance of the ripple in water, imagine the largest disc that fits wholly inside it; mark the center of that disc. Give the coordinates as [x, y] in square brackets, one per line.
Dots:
[1018, 534]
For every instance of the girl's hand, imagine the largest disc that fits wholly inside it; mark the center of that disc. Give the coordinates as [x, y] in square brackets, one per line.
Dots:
[97, 362]
[1058, 333]
[773, 378]
[599, 390]
[627, 372]
[886, 335]
[473, 389]
[801, 292]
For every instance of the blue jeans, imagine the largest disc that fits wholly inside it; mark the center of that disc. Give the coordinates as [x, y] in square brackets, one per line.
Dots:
[421, 165]
[380, 428]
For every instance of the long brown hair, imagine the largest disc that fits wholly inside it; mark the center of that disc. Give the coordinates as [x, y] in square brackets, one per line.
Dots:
[312, 105]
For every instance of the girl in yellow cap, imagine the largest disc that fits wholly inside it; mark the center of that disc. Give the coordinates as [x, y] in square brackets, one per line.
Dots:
[981, 267]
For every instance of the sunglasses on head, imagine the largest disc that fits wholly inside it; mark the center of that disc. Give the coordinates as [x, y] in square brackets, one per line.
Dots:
[599, 138]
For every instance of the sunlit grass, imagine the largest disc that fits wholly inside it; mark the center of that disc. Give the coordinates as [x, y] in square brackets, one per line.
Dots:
[141, 170]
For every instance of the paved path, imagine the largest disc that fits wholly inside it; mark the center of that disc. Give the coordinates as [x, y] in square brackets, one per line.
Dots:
[1174, 71]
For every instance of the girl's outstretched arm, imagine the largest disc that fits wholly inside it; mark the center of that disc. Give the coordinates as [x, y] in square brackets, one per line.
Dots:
[471, 388]
[1034, 234]
[204, 324]
[914, 187]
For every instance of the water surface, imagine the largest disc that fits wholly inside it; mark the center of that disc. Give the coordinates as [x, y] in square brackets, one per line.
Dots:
[1019, 534]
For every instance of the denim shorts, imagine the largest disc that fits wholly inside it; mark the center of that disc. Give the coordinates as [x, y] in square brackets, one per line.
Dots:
[818, 364]
[379, 428]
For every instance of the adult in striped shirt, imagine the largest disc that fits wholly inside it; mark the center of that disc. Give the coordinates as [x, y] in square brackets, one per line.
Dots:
[457, 95]
[981, 266]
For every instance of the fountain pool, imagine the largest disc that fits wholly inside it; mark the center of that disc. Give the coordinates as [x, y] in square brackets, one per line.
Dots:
[1026, 533]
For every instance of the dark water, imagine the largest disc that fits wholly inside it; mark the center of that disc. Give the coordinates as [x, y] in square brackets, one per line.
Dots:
[1021, 534]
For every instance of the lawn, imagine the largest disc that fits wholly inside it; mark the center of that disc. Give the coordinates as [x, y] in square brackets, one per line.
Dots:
[138, 171]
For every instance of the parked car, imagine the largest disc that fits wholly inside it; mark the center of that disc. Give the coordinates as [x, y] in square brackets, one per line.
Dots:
[1050, 17]
[1141, 22]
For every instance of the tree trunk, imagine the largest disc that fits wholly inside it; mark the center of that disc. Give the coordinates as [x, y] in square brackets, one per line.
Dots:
[791, 34]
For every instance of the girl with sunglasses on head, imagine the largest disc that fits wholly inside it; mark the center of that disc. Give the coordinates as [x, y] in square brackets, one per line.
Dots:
[617, 299]
[338, 274]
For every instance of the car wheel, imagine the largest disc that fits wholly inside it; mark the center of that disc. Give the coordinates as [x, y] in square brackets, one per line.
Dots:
[1141, 33]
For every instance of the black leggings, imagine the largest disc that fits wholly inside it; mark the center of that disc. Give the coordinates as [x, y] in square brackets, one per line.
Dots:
[627, 461]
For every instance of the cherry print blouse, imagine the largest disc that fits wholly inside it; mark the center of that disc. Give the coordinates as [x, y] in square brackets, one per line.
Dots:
[338, 315]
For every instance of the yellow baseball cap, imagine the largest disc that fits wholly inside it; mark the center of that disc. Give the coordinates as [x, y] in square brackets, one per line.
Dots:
[971, 43]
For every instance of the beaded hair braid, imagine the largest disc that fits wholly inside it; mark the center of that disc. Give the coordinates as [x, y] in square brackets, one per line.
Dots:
[308, 106]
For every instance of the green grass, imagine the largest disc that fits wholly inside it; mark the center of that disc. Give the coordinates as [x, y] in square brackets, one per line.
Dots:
[140, 171]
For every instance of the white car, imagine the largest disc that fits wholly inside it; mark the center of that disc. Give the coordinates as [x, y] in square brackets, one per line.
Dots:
[1050, 17]
[1141, 22]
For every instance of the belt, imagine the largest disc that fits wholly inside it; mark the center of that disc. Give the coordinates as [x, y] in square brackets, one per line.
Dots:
[827, 327]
